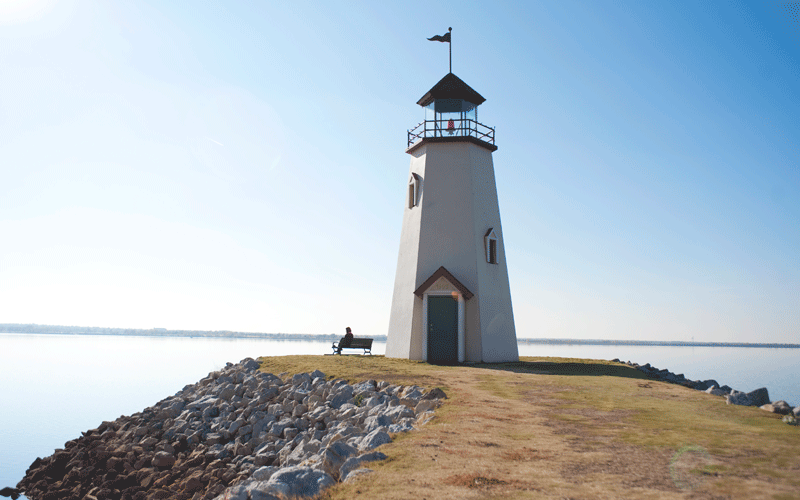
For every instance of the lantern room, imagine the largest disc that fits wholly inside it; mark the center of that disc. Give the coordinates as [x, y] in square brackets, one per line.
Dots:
[451, 111]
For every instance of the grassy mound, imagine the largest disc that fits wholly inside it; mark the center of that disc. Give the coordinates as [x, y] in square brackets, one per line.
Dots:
[567, 428]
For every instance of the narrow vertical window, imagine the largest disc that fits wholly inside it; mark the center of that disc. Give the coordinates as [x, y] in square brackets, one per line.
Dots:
[413, 190]
[491, 246]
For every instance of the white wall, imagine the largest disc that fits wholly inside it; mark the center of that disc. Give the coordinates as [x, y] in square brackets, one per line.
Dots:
[458, 204]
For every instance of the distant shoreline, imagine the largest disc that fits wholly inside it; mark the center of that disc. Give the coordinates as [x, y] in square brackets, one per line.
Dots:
[666, 343]
[312, 337]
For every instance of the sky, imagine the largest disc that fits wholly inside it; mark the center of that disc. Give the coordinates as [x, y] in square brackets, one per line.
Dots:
[241, 165]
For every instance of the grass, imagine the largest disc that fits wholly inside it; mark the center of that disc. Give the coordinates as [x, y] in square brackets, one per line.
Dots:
[567, 428]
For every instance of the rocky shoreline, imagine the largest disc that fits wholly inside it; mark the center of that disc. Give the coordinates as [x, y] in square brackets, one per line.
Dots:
[758, 397]
[237, 434]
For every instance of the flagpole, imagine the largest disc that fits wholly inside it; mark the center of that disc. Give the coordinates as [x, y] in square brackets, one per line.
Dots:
[450, 47]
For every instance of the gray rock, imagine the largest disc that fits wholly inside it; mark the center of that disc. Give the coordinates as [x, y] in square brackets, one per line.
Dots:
[342, 396]
[376, 422]
[366, 386]
[334, 455]
[716, 391]
[227, 393]
[301, 453]
[759, 397]
[301, 378]
[277, 428]
[357, 473]
[425, 405]
[172, 409]
[238, 492]
[404, 425]
[264, 473]
[236, 424]
[203, 402]
[214, 438]
[373, 440]
[796, 412]
[412, 392]
[299, 482]
[399, 412]
[355, 462]
[779, 407]
[256, 493]
[738, 398]
[250, 364]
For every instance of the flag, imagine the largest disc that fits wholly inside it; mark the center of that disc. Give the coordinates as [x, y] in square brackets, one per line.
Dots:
[441, 38]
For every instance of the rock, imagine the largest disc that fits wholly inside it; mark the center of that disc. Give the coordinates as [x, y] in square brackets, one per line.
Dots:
[238, 492]
[257, 493]
[376, 422]
[790, 419]
[373, 440]
[299, 482]
[342, 396]
[357, 473]
[716, 391]
[200, 443]
[425, 405]
[163, 460]
[738, 398]
[301, 452]
[670, 377]
[796, 412]
[355, 462]
[250, 364]
[334, 455]
[301, 378]
[779, 407]
[214, 438]
[397, 413]
[759, 396]
[10, 492]
[435, 393]
[264, 473]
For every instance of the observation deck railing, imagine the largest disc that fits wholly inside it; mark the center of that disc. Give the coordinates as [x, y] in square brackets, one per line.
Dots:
[457, 127]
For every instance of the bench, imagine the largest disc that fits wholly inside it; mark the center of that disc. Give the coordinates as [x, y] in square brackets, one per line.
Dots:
[356, 343]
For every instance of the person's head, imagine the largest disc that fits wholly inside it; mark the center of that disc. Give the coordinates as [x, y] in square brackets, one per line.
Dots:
[348, 330]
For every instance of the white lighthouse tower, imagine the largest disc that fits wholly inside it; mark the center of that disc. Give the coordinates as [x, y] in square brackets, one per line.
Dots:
[452, 301]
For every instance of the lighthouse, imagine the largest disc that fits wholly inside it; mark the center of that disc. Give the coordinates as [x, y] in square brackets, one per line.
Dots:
[451, 301]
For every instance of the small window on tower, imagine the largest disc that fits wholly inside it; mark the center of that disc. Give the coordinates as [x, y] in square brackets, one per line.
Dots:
[414, 190]
[491, 246]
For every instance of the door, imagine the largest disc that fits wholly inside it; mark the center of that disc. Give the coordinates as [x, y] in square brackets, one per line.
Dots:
[442, 329]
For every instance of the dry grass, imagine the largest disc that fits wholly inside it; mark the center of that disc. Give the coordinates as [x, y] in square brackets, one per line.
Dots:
[565, 428]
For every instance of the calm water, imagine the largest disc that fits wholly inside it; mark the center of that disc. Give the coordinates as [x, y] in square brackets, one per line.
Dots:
[55, 386]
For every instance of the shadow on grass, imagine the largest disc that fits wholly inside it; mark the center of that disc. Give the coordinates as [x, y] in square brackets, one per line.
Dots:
[568, 368]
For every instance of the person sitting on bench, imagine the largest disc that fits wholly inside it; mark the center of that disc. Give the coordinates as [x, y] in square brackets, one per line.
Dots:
[345, 342]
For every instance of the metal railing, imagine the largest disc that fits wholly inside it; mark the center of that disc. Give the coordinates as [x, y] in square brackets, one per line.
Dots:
[456, 127]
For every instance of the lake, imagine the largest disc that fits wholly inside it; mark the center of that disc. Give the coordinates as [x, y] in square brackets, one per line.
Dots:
[55, 386]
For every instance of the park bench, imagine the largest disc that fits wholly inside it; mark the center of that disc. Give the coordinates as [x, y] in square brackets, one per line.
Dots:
[356, 343]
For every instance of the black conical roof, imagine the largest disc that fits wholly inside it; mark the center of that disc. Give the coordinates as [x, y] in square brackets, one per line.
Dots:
[451, 87]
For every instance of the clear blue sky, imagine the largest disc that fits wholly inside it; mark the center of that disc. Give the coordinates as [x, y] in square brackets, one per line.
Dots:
[241, 166]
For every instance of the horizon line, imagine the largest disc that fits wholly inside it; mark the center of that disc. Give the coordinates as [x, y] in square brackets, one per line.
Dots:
[34, 328]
